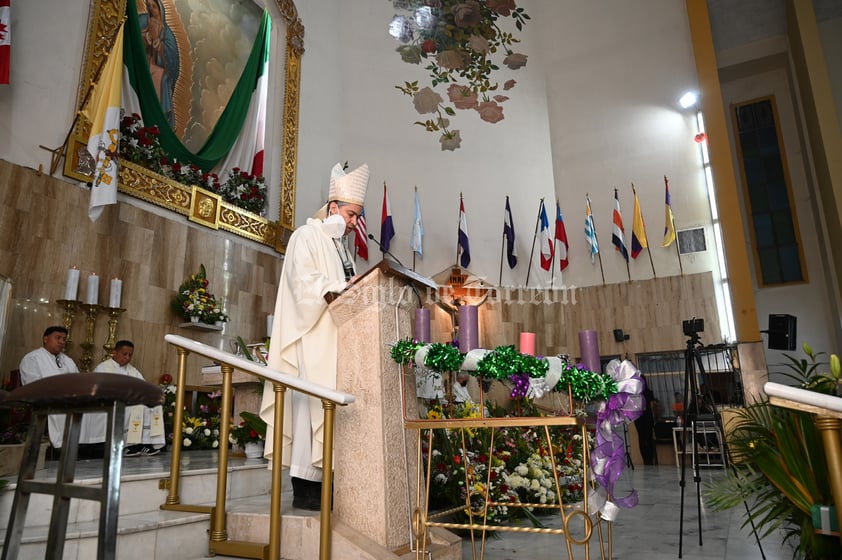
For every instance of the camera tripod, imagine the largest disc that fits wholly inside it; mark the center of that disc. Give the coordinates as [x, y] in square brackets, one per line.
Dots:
[695, 402]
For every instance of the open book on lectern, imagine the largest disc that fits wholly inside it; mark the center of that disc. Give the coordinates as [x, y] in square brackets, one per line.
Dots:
[392, 268]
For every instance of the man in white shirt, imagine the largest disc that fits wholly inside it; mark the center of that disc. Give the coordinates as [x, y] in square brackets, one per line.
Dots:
[50, 360]
[144, 425]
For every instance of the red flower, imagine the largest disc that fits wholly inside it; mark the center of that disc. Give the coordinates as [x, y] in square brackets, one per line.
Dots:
[166, 379]
[428, 46]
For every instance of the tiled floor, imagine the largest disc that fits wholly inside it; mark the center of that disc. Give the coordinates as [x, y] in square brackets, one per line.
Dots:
[650, 531]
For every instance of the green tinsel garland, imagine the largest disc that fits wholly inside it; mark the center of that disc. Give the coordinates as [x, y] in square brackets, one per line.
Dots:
[586, 385]
[500, 364]
[443, 357]
[403, 352]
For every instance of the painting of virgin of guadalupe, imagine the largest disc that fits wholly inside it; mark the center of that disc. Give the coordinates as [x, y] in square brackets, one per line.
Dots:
[161, 54]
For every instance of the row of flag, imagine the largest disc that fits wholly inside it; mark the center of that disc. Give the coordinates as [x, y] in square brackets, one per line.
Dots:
[553, 242]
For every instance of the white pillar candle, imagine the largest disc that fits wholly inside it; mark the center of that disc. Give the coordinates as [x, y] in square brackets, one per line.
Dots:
[270, 321]
[92, 291]
[116, 293]
[71, 290]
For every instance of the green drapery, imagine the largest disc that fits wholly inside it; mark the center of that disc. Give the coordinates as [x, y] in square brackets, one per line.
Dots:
[227, 128]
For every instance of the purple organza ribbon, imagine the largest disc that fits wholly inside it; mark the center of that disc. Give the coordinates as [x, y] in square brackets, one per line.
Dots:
[608, 455]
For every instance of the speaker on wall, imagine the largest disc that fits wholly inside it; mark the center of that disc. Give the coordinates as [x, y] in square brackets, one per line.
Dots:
[782, 332]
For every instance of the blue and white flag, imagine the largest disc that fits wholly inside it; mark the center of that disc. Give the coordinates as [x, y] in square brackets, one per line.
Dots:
[590, 231]
[463, 247]
[417, 238]
[509, 234]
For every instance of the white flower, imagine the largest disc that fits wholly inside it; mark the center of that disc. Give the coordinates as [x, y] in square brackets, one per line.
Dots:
[207, 432]
[187, 442]
[215, 443]
[188, 431]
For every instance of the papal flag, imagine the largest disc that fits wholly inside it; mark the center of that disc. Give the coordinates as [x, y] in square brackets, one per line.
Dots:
[669, 219]
[103, 111]
[416, 241]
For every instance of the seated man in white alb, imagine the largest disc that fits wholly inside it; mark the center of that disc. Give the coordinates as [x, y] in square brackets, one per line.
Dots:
[144, 425]
[50, 360]
[460, 388]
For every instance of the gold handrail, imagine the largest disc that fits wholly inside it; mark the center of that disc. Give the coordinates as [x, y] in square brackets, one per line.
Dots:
[218, 539]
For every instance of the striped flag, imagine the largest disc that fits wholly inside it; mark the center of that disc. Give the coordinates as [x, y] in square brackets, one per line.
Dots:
[618, 235]
[103, 111]
[387, 228]
[463, 247]
[669, 219]
[561, 237]
[590, 231]
[639, 242]
[547, 249]
[416, 241]
[5, 40]
[509, 234]
[361, 237]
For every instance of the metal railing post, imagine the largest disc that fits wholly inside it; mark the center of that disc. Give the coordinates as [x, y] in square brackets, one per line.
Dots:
[275, 518]
[178, 418]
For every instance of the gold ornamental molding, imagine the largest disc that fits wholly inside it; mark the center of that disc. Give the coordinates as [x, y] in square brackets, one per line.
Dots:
[105, 18]
[200, 206]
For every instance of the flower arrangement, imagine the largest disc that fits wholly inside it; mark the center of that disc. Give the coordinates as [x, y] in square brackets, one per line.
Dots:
[200, 432]
[141, 145]
[199, 426]
[193, 300]
[251, 429]
[457, 40]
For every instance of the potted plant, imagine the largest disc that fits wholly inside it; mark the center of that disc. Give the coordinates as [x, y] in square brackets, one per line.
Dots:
[780, 468]
[249, 434]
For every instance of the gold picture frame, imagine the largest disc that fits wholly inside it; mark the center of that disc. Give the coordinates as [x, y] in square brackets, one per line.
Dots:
[106, 16]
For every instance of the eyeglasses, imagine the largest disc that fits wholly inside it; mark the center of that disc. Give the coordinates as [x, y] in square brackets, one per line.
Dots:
[58, 361]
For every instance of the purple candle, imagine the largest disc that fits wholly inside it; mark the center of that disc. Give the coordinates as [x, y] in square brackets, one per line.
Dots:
[589, 350]
[422, 325]
[468, 328]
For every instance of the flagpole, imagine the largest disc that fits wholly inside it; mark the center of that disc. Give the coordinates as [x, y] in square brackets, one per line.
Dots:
[595, 238]
[534, 236]
[57, 153]
[502, 250]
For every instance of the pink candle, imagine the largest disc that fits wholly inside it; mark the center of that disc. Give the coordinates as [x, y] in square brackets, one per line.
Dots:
[527, 343]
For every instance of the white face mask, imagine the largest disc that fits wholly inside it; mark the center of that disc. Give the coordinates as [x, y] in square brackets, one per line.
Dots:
[334, 226]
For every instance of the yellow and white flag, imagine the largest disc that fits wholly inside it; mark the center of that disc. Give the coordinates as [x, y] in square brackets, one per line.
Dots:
[103, 110]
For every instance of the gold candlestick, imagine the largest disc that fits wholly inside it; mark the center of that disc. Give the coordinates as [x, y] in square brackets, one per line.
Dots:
[70, 306]
[113, 315]
[91, 311]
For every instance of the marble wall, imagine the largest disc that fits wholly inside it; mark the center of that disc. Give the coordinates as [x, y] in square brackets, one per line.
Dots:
[44, 230]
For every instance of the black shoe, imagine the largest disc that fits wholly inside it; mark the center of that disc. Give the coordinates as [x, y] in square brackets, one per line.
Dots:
[306, 494]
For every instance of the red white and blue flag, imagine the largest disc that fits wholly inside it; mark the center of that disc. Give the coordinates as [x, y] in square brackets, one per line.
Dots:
[5, 40]
[361, 237]
[561, 237]
[618, 235]
[463, 247]
[387, 228]
[547, 250]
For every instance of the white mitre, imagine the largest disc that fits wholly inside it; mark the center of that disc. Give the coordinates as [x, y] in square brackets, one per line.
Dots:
[346, 187]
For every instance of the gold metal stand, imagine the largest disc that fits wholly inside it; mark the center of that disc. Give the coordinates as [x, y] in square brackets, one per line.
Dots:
[91, 311]
[113, 315]
[70, 306]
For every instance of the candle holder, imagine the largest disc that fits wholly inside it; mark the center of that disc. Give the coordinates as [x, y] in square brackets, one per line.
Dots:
[113, 316]
[91, 311]
[70, 306]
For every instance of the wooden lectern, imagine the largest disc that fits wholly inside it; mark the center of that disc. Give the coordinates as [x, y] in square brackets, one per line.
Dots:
[374, 462]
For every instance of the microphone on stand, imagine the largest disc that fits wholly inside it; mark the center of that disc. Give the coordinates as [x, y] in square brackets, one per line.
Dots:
[384, 249]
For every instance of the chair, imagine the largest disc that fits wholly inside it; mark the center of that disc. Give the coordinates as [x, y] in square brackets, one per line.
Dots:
[74, 394]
